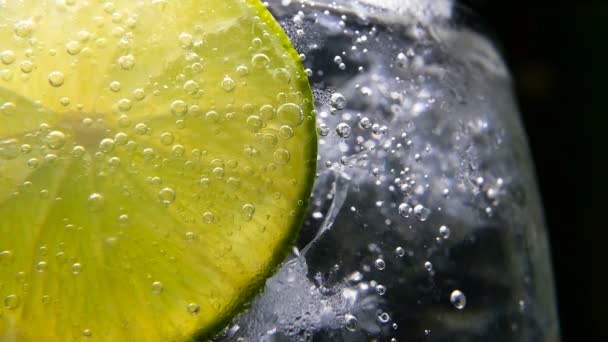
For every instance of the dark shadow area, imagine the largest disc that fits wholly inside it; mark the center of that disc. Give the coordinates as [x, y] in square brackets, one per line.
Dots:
[558, 56]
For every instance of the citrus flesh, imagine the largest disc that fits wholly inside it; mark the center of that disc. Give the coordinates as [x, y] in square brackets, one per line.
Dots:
[156, 160]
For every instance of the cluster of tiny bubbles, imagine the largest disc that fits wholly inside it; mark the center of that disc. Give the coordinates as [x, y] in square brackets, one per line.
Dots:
[458, 299]
[157, 287]
[193, 309]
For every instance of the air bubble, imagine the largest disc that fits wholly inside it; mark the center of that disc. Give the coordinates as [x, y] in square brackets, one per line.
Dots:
[141, 128]
[343, 130]
[193, 309]
[7, 57]
[290, 114]
[209, 217]
[185, 40]
[384, 318]
[380, 264]
[351, 322]
[228, 84]
[444, 231]
[26, 66]
[399, 252]
[56, 78]
[285, 132]
[11, 302]
[247, 212]
[166, 196]
[254, 123]
[167, 138]
[76, 268]
[178, 151]
[55, 140]
[126, 62]
[458, 299]
[380, 289]
[365, 122]
[106, 145]
[428, 266]
[139, 94]
[421, 213]
[260, 61]
[157, 287]
[179, 108]
[338, 101]
[281, 156]
[191, 87]
[41, 267]
[23, 28]
[73, 47]
[404, 210]
[95, 202]
[78, 151]
[86, 333]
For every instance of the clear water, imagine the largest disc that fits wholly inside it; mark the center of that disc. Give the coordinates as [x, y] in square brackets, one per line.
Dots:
[425, 222]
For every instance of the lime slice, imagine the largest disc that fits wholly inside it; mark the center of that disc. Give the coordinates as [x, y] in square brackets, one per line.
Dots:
[156, 161]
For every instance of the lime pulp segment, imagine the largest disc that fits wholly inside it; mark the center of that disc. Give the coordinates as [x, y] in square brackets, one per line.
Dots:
[156, 160]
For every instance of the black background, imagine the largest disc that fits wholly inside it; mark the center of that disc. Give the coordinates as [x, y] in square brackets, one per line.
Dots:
[557, 52]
